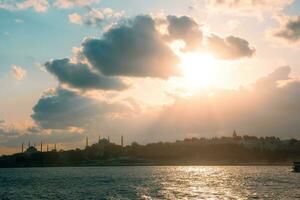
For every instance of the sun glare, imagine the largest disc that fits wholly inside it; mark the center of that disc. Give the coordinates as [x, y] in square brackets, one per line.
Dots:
[199, 70]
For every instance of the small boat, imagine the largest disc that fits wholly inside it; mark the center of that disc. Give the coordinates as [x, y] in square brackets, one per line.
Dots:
[296, 167]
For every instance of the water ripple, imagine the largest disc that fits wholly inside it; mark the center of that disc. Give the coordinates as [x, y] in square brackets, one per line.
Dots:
[196, 182]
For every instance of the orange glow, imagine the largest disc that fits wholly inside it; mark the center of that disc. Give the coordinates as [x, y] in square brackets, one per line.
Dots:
[199, 70]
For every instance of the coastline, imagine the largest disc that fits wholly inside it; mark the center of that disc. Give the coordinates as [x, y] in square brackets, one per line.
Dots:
[158, 164]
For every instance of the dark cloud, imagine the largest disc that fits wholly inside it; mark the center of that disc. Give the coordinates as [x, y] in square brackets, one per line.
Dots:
[186, 29]
[134, 48]
[61, 109]
[289, 29]
[230, 47]
[79, 75]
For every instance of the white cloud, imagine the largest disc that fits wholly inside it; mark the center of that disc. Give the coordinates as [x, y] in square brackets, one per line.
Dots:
[44, 5]
[74, 3]
[37, 5]
[19, 20]
[257, 8]
[18, 72]
[75, 18]
[233, 24]
[95, 17]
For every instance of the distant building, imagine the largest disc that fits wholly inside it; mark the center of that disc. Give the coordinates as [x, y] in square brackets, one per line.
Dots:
[31, 150]
[234, 135]
[103, 141]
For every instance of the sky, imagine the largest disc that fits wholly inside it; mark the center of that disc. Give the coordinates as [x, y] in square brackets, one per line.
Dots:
[159, 70]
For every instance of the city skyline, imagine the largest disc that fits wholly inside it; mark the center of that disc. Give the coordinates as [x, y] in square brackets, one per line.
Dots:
[149, 71]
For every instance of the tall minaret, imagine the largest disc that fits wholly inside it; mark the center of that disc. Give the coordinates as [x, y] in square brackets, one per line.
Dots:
[22, 147]
[122, 141]
[55, 147]
[41, 145]
[108, 139]
[86, 141]
[234, 135]
[99, 139]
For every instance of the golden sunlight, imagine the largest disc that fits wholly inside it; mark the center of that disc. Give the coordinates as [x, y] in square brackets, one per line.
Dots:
[199, 70]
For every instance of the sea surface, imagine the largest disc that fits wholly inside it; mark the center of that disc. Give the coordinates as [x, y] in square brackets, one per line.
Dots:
[194, 182]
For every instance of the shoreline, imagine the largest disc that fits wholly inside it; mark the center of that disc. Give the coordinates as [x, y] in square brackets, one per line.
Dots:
[158, 165]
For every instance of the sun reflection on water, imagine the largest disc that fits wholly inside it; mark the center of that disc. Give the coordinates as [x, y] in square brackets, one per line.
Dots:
[181, 182]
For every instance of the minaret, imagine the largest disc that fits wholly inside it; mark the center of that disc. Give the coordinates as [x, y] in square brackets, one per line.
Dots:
[86, 141]
[47, 147]
[99, 139]
[234, 135]
[41, 145]
[122, 141]
[108, 139]
[55, 147]
[22, 147]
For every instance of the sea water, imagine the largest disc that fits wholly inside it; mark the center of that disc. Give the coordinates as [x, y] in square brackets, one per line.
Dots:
[150, 182]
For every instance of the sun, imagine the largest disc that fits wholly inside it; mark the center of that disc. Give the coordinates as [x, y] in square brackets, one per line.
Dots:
[199, 70]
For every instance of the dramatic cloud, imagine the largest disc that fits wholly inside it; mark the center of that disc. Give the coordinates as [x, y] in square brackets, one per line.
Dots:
[270, 107]
[229, 48]
[61, 109]
[137, 48]
[133, 48]
[18, 72]
[289, 29]
[37, 5]
[79, 75]
[189, 31]
[95, 17]
[249, 7]
[186, 29]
